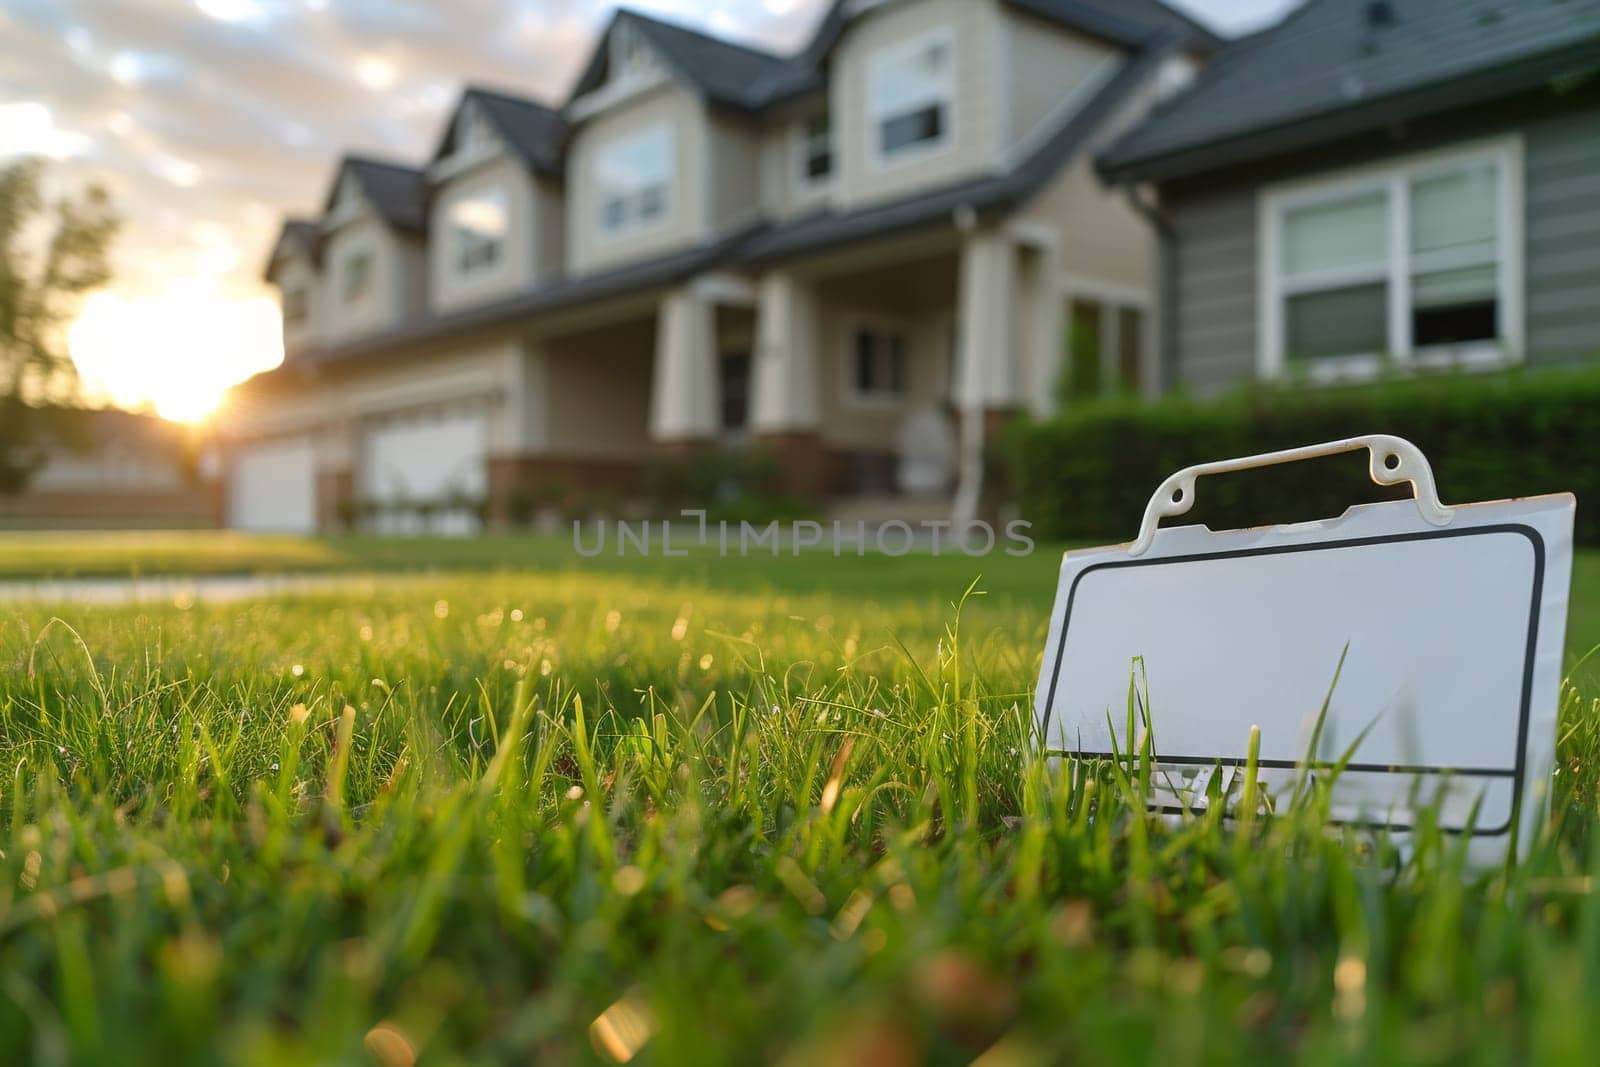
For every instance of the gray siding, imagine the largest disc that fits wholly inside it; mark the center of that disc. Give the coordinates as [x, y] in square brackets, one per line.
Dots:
[1214, 233]
[1561, 160]
[1215, 245]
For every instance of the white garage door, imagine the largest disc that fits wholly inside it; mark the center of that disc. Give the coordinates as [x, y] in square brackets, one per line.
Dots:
[272, 486]
[432, 460]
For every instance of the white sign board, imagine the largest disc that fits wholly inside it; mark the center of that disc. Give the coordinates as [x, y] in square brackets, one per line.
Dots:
[1444, 627]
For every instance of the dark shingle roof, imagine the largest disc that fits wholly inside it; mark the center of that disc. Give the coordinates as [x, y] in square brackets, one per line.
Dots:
[302, 235]
[727, 73]
[666, 269]
[535, 132]
[1006, 190]
[1334, 66]
[749, 78]
[398, 193]
[1124, 21]
[762, 242]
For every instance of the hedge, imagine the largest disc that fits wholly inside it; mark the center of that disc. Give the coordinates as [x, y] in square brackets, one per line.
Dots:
[1088, 472]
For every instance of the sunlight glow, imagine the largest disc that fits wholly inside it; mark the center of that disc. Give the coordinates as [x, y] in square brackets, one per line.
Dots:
[178, 351]
[29, 129]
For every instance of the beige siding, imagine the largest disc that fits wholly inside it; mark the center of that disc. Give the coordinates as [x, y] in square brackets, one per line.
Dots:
[398, 285]
[784, 193]
[1048, 70]
[549, 230]
[685, 221]
[296, 272]
[733, 184]
[597, 392]
[850, 422]
[975, 136]
[516, 267]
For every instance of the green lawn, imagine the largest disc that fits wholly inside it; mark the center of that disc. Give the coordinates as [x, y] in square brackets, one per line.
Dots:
[534, 809]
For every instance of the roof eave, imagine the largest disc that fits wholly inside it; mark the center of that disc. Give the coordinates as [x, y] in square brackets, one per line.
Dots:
[1359, 117]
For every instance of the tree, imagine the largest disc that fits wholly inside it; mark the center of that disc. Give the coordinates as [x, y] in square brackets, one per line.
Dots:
[51, 255]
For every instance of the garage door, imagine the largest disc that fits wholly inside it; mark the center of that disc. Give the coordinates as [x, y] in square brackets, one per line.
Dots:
[428, 460]
[271, 486]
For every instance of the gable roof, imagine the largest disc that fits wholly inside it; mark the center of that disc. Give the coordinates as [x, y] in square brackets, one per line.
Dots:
[725, 72]
[398, 193]
[1336, 67]
[534, 132]
[750, 79]
[303, 235]
[1127, 22]
[761, 242]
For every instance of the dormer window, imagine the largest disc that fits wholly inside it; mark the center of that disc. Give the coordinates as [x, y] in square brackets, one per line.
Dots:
[295, 306]
[816, 150]
[633, 178]
[355, 277]
[478, 227]
[911, 92]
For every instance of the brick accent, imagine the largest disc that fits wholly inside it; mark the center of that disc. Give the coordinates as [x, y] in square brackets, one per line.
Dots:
[555, 480]
[805, 465]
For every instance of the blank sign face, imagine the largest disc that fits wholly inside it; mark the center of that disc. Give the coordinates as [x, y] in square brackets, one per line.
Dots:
[1439, 629]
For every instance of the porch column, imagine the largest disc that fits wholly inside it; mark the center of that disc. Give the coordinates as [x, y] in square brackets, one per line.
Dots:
[989, 386]
[684, 397]
[785, 400]
[784, 390]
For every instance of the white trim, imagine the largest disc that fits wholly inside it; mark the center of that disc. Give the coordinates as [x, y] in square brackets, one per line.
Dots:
[728, 290]
[634, 226]
[1072, 285]
[1393, 177]
[924, 150]
[803, 185]
[853, 398]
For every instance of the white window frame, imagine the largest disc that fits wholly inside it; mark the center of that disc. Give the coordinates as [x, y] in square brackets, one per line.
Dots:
[296, 306]
[802, 155]
[458, 236]
[901, 52]
[346, 262]
[853, 395]
[1394, 177]
[632, 221]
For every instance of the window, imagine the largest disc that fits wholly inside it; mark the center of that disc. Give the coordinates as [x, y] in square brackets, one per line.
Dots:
[1104, 347]
[734, 378]
[478, 227]
[296, 307]
[1084, 346]
[356, 277]
[634, 180]
[816, 150]
[878, 364]
[1417, 262]
[910, 94]
[1130, 348]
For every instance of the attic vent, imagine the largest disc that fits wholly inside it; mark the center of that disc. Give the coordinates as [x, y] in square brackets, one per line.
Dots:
[1380, 13]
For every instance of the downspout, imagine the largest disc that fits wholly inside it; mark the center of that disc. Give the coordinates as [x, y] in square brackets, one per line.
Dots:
[969, 407]
[1166, 287]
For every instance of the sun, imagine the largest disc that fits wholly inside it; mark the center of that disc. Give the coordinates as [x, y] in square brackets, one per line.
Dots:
[177, 350]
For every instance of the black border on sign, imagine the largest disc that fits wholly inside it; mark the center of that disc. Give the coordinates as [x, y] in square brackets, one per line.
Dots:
[1517, 773]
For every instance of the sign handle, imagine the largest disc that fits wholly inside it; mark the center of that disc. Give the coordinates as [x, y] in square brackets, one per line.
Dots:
[1392, 460]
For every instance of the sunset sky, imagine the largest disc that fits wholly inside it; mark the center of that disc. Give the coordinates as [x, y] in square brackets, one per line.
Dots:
[210, 119]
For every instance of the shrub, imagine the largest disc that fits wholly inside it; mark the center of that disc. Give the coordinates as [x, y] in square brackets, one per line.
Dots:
[1088, 472]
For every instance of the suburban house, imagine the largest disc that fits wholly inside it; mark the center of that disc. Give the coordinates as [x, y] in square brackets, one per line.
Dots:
[862, 257]
[1390, 185]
